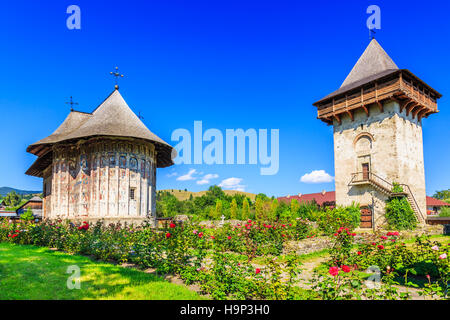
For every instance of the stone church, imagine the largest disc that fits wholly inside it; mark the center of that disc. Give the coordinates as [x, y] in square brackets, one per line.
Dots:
[101, 165]
[377, 116]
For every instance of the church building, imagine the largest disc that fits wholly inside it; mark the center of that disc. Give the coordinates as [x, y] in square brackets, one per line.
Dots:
[377, 116]
[101, 165]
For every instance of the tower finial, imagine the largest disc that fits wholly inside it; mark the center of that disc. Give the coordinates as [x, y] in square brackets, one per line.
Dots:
[116, 74]
[71, 103]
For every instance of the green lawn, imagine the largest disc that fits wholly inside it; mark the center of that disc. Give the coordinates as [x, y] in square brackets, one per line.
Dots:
[30, 272]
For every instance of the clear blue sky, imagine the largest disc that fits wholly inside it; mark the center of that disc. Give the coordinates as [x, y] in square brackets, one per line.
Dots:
[232, 64]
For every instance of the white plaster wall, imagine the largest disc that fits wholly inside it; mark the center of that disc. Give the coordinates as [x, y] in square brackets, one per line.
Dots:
[396, 154]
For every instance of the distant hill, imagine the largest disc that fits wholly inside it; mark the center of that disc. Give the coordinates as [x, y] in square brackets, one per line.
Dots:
[184, 195]
[5, 190]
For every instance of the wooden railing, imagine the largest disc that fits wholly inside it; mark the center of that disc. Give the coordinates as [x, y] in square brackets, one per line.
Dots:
[370, 177]
[376, 93]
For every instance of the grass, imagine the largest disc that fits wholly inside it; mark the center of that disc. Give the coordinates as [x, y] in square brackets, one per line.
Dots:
[29, 272]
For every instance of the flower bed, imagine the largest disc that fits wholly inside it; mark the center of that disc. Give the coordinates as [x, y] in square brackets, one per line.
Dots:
[244, 261]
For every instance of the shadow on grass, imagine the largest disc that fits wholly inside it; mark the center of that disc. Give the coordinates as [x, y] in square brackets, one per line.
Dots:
[29, 272]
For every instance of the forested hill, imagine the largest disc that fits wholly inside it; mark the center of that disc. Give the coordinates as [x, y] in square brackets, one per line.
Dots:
[184, 194]
[5, 190]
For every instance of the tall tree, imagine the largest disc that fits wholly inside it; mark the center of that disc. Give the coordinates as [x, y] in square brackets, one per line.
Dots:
[12, 199]
[295, 206]
[245, 210]
[442, 195]
[233, 209]
[259, 209]
[219, 207]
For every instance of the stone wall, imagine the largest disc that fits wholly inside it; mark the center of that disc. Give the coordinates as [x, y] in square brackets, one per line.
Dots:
[109, 179]
[391, 143]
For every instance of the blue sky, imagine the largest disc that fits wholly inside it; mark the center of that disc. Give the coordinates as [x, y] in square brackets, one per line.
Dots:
[231, 64]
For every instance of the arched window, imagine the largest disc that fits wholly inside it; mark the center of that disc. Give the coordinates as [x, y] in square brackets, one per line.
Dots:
[363, 142]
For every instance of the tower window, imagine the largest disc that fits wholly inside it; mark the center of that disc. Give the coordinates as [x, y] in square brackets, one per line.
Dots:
[132, 193]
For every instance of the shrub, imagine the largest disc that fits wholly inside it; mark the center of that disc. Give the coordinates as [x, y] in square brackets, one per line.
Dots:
[331, 220]
[399, 214]
[445, 212]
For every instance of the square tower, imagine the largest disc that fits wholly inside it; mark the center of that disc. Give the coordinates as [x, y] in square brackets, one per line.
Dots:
[377, 120]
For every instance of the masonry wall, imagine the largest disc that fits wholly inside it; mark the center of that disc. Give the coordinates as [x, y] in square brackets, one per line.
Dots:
[391, 143]
[95, 180]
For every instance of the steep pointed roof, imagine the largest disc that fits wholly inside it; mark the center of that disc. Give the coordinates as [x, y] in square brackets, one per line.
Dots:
[113, 117]
[373, 61]
[372, 65]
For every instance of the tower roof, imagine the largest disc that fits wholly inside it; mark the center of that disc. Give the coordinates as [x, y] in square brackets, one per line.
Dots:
[113, 117]
[373, 61]
[373, 79]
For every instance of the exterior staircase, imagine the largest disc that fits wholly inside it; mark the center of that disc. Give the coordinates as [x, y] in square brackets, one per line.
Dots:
[383, 186]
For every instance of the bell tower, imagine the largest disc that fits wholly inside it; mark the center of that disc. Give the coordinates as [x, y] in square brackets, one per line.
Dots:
[377, 116]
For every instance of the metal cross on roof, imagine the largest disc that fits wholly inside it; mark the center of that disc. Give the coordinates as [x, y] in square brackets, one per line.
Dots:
[71, 103]
[116, 74]
[139, 115]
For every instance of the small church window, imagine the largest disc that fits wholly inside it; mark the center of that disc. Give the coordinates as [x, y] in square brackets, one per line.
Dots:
[132, 193]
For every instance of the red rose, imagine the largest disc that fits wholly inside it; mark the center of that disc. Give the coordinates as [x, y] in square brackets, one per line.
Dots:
[359, 253]
[345, 268]
[172, 225]
[229, 237]
[212, 237]
[258, 270]
[381, 247]
[168, 235]
[334, 271]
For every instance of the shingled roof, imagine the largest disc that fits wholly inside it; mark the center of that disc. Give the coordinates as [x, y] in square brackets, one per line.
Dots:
[114, 118]
[373, 61]
[373, 65]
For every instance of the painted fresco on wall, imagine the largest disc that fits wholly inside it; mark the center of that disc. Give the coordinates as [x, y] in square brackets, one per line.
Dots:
[72, 169]
[123, 161]
[84, 164]
[143, 169]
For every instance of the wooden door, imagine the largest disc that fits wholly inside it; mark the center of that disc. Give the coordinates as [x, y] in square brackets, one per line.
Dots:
[366, 217]
[365, 171]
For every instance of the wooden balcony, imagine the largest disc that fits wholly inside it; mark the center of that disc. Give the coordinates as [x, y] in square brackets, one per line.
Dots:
[411, 93]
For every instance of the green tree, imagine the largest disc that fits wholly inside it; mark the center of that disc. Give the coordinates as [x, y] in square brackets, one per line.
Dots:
[233, 209]
[261, 196]
[273, 209]
[216, 192]
[442, 195]
[259, 209]
[12, 199]
[399, 214]
[219, 209]
[295, 207]
[245, 210]
[27, 215]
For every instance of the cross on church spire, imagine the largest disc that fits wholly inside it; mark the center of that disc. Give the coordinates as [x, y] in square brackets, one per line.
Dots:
[116, 74]
[71, 103]
[139, 115]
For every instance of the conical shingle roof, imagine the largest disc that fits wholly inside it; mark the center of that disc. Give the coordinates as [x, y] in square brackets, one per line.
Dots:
[113, 117]
[373, 61]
